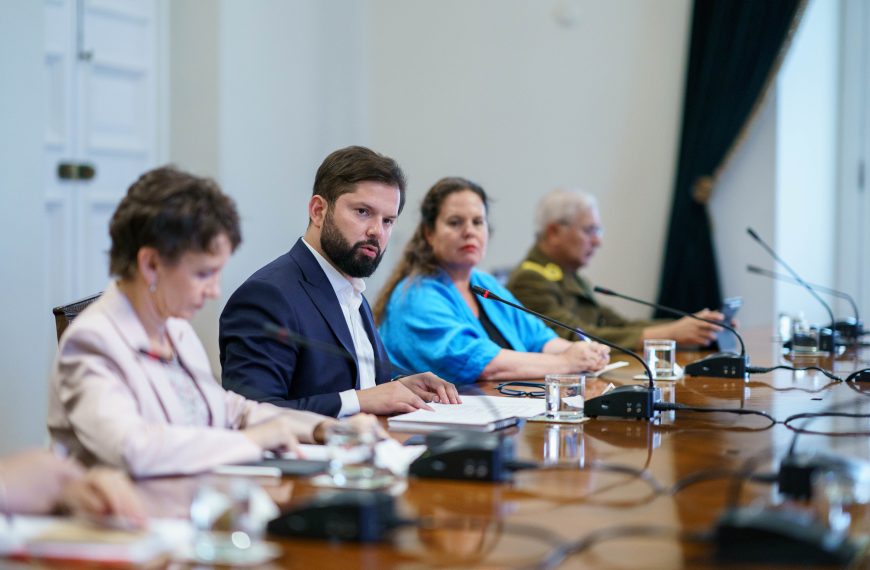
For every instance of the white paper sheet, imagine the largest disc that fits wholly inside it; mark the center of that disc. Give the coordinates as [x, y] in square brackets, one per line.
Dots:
[473, 412]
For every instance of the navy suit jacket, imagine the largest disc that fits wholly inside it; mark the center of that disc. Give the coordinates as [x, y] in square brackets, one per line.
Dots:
[292, 292]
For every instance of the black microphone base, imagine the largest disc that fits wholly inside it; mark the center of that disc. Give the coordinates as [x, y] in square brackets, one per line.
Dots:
[719, 365]
[348, 516]
[799, 471]
[829, 340]
[635, 402]
[465, 456]
[767, 536]
[850, 330]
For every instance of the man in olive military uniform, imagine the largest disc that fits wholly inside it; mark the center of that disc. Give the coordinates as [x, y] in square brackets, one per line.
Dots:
[568, 234]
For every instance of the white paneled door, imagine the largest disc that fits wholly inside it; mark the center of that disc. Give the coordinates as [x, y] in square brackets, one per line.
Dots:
[863, 260]
[101, 117]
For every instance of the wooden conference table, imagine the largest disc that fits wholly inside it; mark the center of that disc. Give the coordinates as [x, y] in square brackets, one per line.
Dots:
[509, 525]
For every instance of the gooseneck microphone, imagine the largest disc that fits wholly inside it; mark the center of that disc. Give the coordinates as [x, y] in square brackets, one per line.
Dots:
[850, 329]
[623, 402]
[487, 294]
[719, 365]
[612, 293]
[793, 273]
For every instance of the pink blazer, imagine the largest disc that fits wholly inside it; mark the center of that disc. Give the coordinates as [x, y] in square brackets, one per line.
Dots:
[111, 404]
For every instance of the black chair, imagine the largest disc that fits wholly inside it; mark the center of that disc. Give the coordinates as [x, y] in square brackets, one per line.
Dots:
[502, 273]
[65, 314]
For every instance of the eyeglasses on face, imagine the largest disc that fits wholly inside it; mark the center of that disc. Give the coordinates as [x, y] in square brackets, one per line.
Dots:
[590, 231]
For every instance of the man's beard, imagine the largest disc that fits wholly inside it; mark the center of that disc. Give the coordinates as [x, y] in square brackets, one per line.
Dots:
[346, 257]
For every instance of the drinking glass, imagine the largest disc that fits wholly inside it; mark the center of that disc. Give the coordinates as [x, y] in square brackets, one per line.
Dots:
[351, 449]
[565, 394]
[229, 519]
[661, 356]
[804, 338]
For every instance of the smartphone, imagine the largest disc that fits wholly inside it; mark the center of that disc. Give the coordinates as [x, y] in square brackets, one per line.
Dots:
[727, 340]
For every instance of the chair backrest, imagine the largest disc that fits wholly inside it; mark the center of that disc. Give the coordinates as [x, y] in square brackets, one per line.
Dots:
[502, 273]
[65, 314]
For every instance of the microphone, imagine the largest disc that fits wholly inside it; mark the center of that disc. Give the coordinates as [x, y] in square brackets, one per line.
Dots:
[719, 365]
[850, 328]
[631, 401]
[826, 343]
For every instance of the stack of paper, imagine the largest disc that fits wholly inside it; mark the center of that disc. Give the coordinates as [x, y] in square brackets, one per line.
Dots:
[74, 539]
[482, 413]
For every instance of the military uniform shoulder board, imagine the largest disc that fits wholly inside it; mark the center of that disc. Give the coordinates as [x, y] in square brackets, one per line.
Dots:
[550, 272]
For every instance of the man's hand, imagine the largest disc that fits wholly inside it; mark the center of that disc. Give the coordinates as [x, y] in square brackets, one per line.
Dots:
[431, 388]
[389, 398]
[688, 331]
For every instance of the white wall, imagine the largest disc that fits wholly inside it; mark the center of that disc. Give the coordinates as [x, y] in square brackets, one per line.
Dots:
[854, 207]
[27, 320]
[194, 69]
[290, 92]
[194, 125]
[746, 197]
[783, 180]
[499, 91]
[806, 158]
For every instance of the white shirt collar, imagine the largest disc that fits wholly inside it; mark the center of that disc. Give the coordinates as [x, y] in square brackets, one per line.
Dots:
[341, 284]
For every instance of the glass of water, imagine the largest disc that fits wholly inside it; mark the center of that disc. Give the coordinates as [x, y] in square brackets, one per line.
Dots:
[804, 338]
[229, 527]
[351, 449]
[566, 394]
[661, 356]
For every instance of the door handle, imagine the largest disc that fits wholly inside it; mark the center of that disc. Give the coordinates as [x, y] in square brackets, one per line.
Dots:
[76, 171]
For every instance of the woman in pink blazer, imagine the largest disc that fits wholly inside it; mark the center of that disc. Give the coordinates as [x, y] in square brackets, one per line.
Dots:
[131, 385]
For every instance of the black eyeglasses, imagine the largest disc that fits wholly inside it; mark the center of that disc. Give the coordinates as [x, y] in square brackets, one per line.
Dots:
[591, 231]
[516, 389]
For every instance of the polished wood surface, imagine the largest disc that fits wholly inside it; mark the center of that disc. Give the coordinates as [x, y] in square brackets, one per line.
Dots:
[606, 474]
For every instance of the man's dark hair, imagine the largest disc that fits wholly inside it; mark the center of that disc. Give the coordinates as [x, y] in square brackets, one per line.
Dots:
[344, 168]
[172, 211]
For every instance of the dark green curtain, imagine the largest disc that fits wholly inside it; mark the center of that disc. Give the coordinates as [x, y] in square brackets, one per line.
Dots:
[734, 47]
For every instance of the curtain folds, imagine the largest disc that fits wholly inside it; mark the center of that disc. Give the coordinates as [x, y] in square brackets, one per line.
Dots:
[735, 51]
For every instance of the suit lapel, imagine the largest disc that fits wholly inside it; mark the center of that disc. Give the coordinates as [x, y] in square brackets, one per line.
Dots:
[383, 369]
[573, 286]
[576, 285]
[319, 290]
[120, 312]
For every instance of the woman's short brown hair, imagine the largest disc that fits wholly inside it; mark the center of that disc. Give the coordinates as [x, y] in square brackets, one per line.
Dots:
[172, 211]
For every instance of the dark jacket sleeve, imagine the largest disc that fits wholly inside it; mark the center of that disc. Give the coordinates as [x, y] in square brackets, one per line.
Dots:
[546, 297]
[257, 366]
